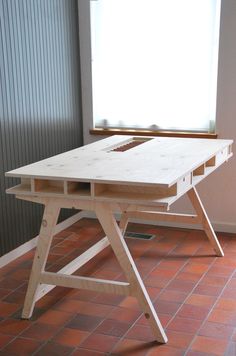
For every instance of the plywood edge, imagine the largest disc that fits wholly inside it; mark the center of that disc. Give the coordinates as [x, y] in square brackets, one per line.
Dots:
[87, 180]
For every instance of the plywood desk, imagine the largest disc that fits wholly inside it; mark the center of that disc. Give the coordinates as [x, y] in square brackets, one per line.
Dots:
[137, 176]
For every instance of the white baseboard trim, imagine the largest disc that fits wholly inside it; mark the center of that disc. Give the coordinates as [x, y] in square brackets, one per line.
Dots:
[21, 250]
[222, 226]
[29, 245]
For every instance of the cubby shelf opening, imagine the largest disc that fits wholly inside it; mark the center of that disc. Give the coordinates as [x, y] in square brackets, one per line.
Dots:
[78, 188]
[49, 186]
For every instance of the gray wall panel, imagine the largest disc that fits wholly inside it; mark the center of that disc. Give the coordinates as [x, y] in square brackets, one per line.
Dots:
[40, 112]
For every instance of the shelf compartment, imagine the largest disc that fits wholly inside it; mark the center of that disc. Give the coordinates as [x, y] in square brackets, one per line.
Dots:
[78, 188]
[23, 187]
[48, 186]
[211, 162]
[199, 171]
[133, 192]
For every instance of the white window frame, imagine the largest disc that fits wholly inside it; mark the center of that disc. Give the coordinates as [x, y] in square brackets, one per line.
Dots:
[86, 70]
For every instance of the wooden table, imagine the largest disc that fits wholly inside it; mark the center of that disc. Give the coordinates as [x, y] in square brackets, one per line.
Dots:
[136, 176]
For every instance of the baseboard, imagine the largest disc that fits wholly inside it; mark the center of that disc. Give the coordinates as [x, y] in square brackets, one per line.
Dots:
[222, 226]
[29, 245]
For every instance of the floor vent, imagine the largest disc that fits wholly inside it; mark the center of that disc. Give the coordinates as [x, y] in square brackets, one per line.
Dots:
[139, 235]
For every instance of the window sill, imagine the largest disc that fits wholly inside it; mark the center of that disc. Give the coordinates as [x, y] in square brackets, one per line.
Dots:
[110, 132]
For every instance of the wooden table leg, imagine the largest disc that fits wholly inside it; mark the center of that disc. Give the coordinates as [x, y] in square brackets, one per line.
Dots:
[49, 222]
[118, 244]
[198, 206]
[124, 219]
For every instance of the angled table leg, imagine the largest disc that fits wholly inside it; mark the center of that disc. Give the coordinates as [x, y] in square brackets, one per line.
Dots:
[198, 206]
[49, 222]
[124, 219]
[138, 290]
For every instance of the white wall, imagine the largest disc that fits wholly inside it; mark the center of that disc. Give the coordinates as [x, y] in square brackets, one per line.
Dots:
[218, 191]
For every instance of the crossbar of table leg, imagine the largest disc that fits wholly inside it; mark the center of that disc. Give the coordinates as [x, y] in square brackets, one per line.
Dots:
[153, 215]
[76, 264]
[95, 284]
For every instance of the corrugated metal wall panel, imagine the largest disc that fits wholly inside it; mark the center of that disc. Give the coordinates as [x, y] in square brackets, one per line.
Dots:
[39, 99]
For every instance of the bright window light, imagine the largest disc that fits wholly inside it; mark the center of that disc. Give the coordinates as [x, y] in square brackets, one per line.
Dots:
[154, 63]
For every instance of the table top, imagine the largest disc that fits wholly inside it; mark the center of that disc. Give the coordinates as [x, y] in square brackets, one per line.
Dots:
[125, 169]
[160, 161]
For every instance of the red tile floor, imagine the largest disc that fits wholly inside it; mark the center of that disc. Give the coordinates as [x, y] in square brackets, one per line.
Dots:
[193, 291]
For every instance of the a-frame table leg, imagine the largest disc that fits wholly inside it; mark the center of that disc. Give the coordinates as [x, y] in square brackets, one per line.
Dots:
[123, 222]
[118, 244]
[198, 206]
[49, 222]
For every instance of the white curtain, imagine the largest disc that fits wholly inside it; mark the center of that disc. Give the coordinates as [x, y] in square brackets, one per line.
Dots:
[154, 63]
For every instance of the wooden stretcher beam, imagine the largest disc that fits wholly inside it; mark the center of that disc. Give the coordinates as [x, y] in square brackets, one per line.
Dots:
[94, 284]
[70, 203]
[62, 202]
[75, 264]
[151, 215]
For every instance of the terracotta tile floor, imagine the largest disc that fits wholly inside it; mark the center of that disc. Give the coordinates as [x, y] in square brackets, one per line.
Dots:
[193, 291]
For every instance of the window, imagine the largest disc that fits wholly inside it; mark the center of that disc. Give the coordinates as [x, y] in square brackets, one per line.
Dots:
[153, 63]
